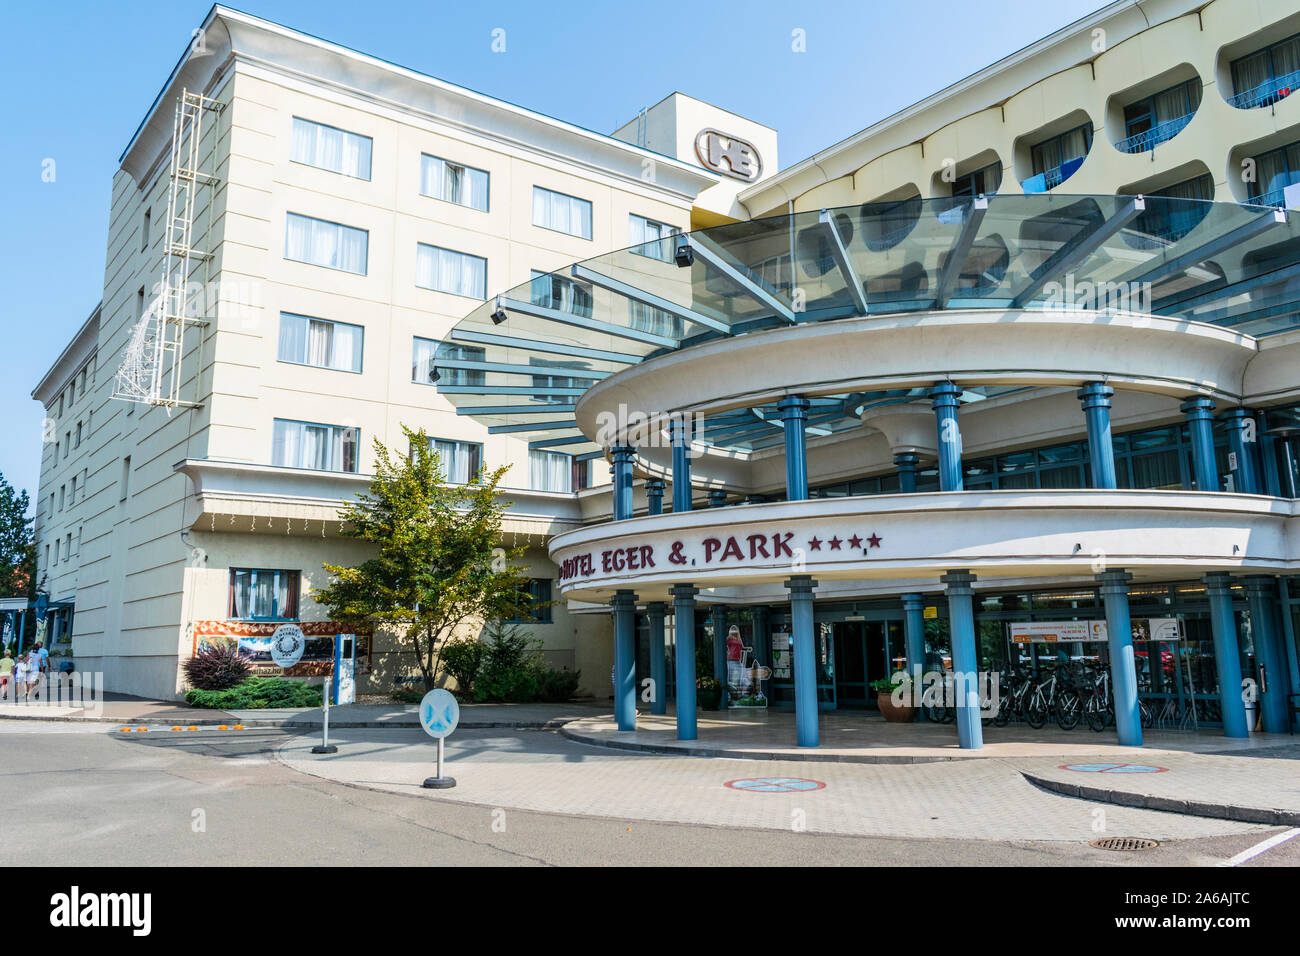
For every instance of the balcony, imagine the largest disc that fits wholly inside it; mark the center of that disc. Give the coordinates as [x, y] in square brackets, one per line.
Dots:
[1266, 93]
[1275, 194]
[1149, 139]
[1051, 178]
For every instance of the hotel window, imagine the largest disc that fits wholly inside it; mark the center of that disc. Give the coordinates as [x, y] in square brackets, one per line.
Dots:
[1274, 171]
[47, 556]
[444, 270]
[329, 148]
[63, 494]
[549, 471]
[560, 293]
[1159, 117]
[320, 343]
[78, 444]
[1172, 221]
[72, 496]
[651, 239]
[67, 547]
[124, 483]
[56, 550]
[982, 182]
[67, 442]
[1267, 75]
[144, 232]
[1056, 159]
[561, 213]
[262, 595]
[426, 354]
[328, 244]
[319, 447]
[539, 608]
[646, 318]
[453, 182]
[581, 473]
[460, 461]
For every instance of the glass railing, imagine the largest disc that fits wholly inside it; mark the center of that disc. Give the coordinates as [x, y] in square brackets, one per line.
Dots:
[1051, 178]
[1148, 139]
[1267, 93]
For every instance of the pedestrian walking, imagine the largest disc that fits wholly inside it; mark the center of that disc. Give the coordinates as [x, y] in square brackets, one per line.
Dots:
[6, 676]
[20, 678]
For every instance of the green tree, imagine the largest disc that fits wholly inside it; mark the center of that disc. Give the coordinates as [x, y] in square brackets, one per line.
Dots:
[438, 563]
[17, 548]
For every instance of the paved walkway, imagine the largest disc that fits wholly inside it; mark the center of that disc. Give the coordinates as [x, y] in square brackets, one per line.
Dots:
[546, 772]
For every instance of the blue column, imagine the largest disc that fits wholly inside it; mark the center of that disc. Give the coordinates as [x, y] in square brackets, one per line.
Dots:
[914, 630]
[654, 496]
[794, 416]
[684, 633]
[1200, 422]
[654, 614]
[907, 463]
[1261, 598]
[1286, 462]
[623, 455]
[1288, 633]
[624, 605]
[804, 659]
[717, 498]
[965, 660]
[945, 398]
[762, 638]
[1242, 436]
[718, 615]
[1227, 654]
[1123, 671]
[1096, 397]
[681, 440]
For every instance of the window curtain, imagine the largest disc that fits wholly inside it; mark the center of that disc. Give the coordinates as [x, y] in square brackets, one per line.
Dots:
[1286, 59]
[346, 347]
[652, 238]
[549, 471]
[645, 318]
[319, 336]
[333, 149]
[1074, 144]
[326, 244]
[241, 594]
[1250, 72]
[460, 460]
[562, 213]
[446, 271]
[452, 182]
[1171, 104]
[422, 361]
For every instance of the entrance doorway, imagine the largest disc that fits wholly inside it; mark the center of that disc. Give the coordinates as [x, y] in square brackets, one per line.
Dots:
[865, 651]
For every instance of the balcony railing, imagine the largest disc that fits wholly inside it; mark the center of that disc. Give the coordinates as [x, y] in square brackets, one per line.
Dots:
[1148, 139]
[1051, 178]
[1267, 93]
[1276, 194]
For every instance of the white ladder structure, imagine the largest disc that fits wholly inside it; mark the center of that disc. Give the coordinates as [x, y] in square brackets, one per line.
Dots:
[150, 372]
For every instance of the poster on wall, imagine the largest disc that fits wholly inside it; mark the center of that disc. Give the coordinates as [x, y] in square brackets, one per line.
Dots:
[1061, 632]
[781, 655]
[745, 675]
[254, 640]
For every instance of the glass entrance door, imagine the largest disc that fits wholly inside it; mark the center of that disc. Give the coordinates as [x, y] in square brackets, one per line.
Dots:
[865, 651]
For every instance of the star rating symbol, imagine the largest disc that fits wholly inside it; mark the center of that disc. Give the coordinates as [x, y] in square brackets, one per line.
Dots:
[855, 542]
[815, 543]
[874, 540]
[835, 543]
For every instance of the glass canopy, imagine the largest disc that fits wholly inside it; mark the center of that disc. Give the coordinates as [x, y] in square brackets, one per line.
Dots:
[519, 362]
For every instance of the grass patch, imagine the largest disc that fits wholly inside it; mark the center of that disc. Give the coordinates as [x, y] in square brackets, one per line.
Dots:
[258, 693]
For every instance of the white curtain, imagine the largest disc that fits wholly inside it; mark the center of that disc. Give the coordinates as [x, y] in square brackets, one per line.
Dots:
[328, 148]
[319, 335]
[452, 182]
[318, 342]
[562, 213]
[422, 363]
[549, 471]
[325, 244]
[444, 270]
[347, 347]
[243, 593]
[652, 237]
[459, 460]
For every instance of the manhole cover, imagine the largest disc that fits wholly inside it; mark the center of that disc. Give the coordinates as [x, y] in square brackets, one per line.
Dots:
[774, 784]
[1124, 843]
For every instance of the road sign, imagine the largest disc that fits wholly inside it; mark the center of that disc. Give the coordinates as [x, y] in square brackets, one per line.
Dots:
[287, 644]
[439, 713]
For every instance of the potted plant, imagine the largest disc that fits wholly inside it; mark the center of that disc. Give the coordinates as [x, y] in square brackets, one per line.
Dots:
[892, 712]
[708, 691]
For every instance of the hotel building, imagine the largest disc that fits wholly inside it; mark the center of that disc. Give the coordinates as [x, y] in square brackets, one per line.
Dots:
[1021, 354]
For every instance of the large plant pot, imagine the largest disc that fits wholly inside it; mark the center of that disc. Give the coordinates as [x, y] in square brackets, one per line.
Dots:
[894, 713]
[709, 699]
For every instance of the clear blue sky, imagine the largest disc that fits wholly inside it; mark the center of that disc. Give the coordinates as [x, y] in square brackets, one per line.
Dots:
[77, 78]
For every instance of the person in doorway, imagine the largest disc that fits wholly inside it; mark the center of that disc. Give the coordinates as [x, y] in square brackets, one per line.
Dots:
[6, 675]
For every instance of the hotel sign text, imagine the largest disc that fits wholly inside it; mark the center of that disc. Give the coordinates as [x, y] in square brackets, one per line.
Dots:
[729, 155]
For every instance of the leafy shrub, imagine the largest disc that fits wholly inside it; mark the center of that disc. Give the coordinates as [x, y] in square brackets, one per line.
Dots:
[463, 659]
[510, 666]
[405, 696]
[216, 667]
[556, 687]
[258, 693]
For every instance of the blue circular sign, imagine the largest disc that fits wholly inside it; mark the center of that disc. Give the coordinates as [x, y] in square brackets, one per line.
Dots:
[1112, 768]
[774, 784]
[439, 713]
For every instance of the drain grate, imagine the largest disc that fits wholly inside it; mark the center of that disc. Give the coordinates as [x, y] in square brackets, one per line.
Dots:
[1124, 843]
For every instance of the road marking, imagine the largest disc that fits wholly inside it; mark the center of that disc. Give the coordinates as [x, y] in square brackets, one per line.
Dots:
[1263, 847]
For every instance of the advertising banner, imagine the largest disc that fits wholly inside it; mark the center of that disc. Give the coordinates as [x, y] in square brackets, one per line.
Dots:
[254, 640]
[1060, 632]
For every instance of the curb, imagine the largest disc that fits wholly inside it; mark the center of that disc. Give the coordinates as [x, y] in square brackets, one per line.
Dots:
[1195, 808]
[809, 757]
[295, 724]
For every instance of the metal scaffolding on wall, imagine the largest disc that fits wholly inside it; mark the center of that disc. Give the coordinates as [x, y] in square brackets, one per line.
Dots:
[150, 372]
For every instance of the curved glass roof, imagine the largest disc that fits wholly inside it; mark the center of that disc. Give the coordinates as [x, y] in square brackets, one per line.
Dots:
[519, 362]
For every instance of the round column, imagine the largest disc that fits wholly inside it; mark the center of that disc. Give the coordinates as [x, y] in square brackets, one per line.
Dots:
[945, 398]
[1241, 429]
[914, 631]
[805, 660]
[681, 441]
[718, 617]
[794, 416]
[1227, 654]
[624, 604]
[684, 634]
[654, 496]
[1261, 597]
[1123, 669]
[1200, 422]
[1096, 397]
[965, 662]
[654, 613]
[907, 464]
[623, 455]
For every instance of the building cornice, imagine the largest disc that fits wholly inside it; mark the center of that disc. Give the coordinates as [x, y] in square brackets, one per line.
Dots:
[70, 360]
[228, 34]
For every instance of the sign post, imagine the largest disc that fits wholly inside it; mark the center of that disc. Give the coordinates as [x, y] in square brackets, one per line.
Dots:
[439, 715]
[287, 644]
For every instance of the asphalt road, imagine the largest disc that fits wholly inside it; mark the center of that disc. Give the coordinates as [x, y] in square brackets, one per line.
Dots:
[88, 796]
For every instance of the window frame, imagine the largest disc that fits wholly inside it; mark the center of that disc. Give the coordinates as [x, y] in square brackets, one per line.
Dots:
[455, 252]
[365, 271]
[577, 235]
[295, 576]
[356, 464]
[487, 197]
[361, 356]
[370, 163]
